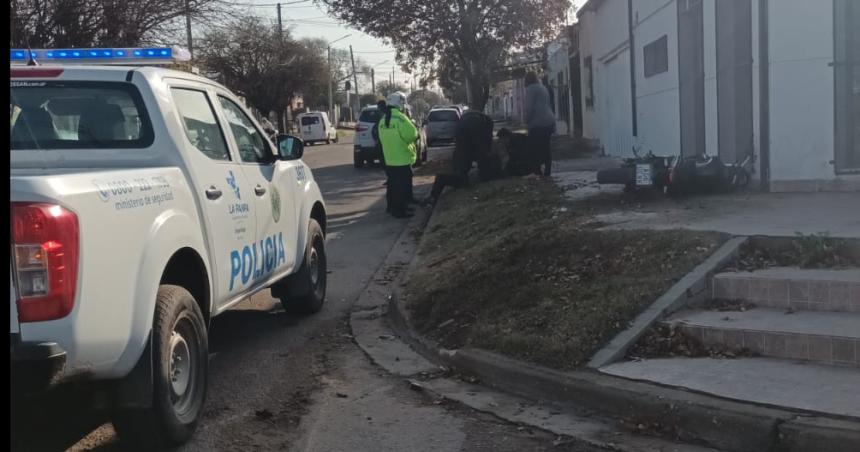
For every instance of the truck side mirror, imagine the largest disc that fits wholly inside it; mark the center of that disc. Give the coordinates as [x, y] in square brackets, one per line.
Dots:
[290, 147]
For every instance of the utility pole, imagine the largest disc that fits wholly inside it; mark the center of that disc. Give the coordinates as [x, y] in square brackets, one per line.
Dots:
[373, 81]
[280, 24]
[188, 27]
[354, 78]
[330, 94]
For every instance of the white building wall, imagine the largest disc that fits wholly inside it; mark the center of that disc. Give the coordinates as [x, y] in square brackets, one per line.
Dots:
[612, 79]
[657, 97]
[801, 107]
[801, 90]
[586, 49]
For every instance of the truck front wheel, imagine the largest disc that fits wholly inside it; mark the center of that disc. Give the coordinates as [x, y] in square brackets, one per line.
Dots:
[180, 355]
[307, 287]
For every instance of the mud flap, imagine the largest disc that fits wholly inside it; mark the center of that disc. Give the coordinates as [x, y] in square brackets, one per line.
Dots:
[135, 390]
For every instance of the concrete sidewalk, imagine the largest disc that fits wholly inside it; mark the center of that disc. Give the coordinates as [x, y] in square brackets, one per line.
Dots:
[742, 213]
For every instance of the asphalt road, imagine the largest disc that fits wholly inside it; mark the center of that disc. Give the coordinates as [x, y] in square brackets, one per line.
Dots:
[279, 382]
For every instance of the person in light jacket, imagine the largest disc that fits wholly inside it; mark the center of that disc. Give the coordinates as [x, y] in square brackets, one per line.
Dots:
[540, 121]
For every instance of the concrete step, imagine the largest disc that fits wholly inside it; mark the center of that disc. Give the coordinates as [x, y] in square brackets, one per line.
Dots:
[797, 289]
[782, 383]
[823, 337]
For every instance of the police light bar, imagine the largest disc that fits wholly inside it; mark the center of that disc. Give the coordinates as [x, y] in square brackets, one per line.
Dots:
[126, 56]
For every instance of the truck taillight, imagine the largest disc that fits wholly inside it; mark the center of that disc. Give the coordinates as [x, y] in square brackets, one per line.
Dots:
[45, 257]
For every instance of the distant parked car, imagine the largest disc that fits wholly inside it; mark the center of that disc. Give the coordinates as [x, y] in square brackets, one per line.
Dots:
[440, 126]
[364, 147]
[315, 127]
[421, 145]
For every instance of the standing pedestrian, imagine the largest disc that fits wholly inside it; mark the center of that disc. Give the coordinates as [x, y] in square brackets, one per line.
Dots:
[398, 135]
[540, 121]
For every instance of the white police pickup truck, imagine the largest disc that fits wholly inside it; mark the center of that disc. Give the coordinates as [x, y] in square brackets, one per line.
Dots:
[144, 202]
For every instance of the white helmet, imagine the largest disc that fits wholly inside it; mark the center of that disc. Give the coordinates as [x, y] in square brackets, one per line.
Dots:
[396, 99]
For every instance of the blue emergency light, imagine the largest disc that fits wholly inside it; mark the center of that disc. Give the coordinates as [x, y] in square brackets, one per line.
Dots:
[128, 56]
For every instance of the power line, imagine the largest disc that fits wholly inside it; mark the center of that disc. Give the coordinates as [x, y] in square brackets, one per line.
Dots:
[268, 5]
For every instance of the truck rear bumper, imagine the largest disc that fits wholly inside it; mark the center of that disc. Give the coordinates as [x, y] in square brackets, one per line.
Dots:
[36, 366]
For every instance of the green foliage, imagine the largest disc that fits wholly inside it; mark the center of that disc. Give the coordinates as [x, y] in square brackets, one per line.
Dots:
[477, 34]
[249, 57]
[815, 249]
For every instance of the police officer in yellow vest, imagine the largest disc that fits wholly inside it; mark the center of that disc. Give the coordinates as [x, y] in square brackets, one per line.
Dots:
[398, 136]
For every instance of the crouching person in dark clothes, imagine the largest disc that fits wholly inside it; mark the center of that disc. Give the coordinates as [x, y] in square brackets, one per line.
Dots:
[521, 161]
[473, 143]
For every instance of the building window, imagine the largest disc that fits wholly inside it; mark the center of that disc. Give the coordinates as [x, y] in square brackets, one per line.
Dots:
[657, 57]
[589, 83]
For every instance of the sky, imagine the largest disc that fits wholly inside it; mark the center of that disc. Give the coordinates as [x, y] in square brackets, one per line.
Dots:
[308, 20]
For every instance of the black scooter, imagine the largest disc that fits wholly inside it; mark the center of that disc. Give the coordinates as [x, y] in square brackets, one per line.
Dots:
[678, 175]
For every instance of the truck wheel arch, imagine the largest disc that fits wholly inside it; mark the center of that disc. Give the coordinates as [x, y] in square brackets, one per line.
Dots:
[186, 269]
[318, 213]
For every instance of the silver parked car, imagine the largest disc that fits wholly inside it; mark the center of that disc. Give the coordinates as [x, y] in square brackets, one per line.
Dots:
[441, 125]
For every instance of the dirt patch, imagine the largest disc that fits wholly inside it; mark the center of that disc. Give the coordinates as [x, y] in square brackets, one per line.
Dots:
[433, 167]
[511, 266]
[665, 341]
[804, 251]
[728, 305]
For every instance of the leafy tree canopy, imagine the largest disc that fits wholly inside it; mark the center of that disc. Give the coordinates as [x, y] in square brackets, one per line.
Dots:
[477, 34]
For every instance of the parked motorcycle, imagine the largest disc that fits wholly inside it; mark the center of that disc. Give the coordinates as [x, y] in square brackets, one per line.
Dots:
[678, 175]
[648, 172]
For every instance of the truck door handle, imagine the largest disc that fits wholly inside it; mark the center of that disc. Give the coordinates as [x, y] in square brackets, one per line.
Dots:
[259, 190]
[213, 193]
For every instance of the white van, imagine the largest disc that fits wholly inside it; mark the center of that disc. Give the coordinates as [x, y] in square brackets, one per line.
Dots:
[315, 127]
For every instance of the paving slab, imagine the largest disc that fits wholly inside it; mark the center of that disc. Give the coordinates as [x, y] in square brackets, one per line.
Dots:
[768, 214]
[818, 388]
[833, 324]
[844, 275]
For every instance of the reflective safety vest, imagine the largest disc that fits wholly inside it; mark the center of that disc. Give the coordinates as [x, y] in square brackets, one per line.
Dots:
[398, 139]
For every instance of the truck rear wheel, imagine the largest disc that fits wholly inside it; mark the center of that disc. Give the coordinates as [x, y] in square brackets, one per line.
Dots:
[180, 362]
[307, 287]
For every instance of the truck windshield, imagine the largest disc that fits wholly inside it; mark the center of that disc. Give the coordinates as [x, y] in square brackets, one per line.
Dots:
[77, 115]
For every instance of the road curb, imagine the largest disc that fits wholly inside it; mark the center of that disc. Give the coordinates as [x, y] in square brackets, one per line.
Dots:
[678, 414]
[683, 415]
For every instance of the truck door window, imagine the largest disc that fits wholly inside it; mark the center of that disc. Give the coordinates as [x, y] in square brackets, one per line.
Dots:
[252, 146]
[201, 127]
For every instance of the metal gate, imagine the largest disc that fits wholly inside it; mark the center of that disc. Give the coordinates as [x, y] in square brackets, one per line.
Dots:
[846, 19]
[691, 70]
[734, 79]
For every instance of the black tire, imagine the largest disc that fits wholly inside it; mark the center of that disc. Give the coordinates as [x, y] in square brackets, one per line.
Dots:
[358, 162]
[327, 141]
[307, 287]
[179, 386]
